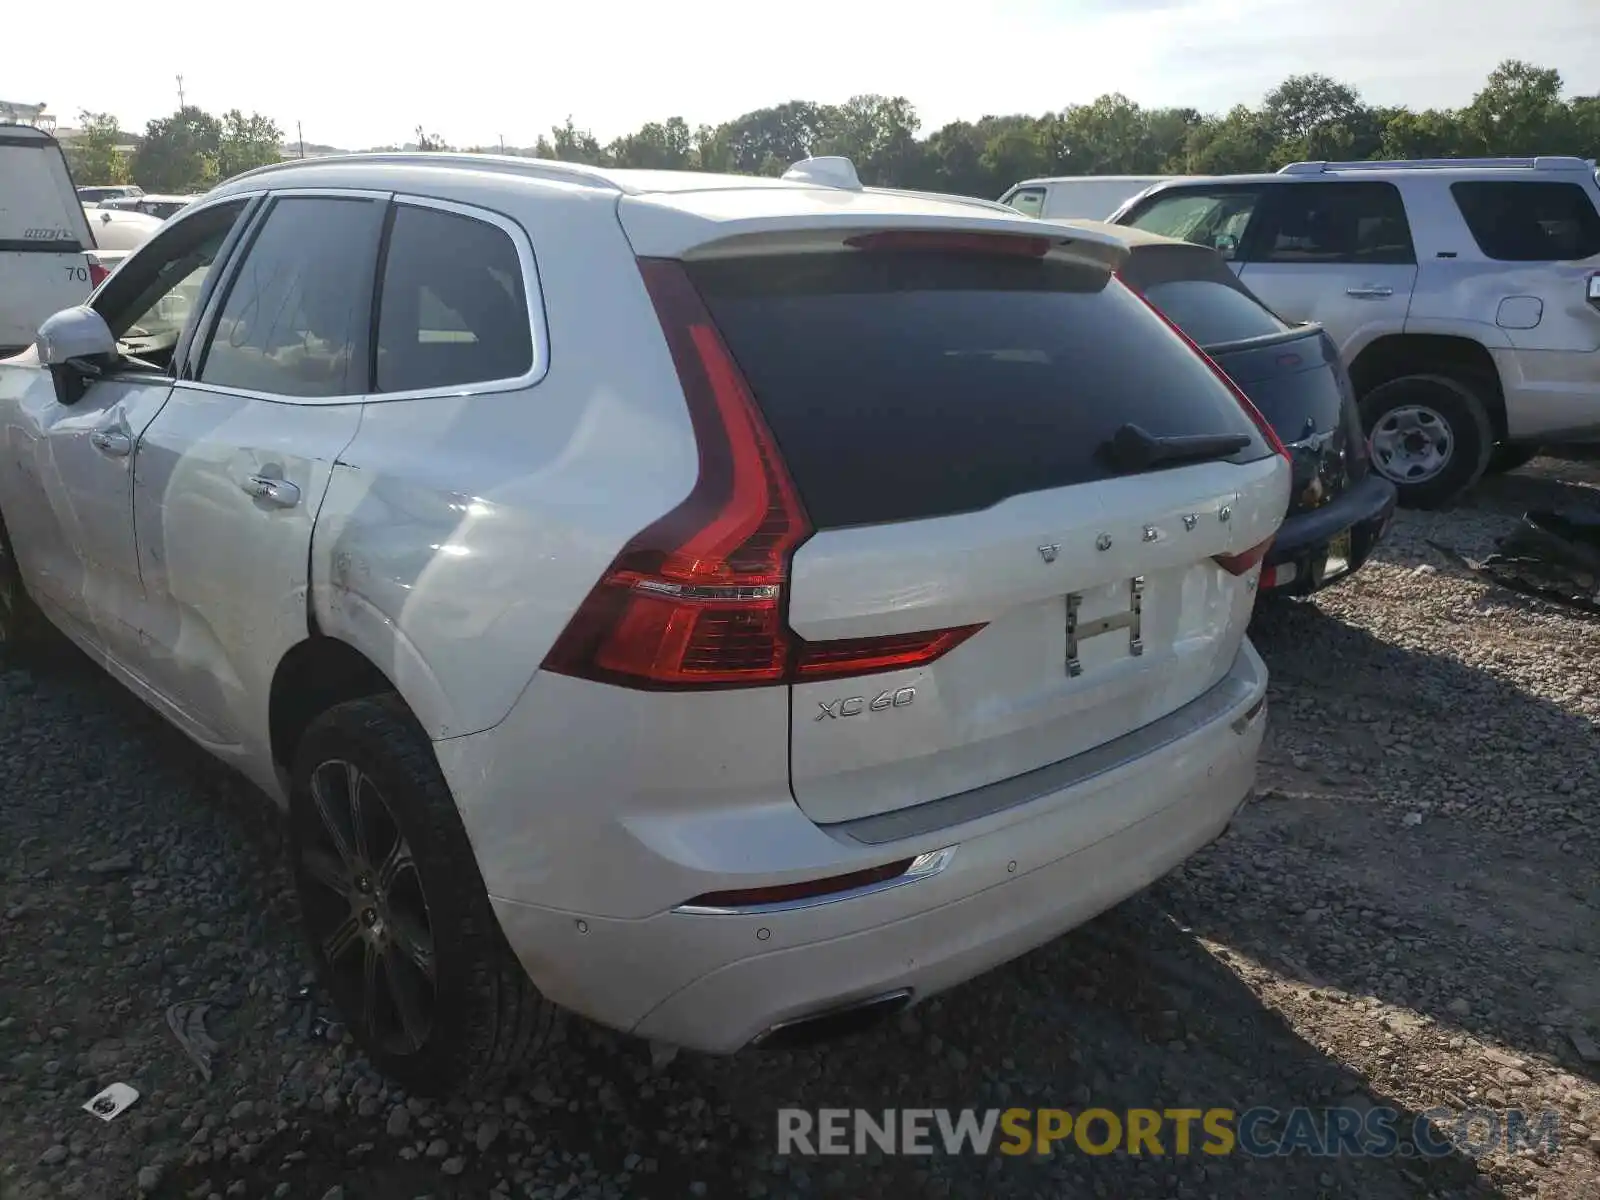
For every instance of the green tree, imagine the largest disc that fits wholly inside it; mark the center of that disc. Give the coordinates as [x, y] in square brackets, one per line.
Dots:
[661, 146]
[571, 144]
[768, 140]
[246, 143]
[877, 133]
[178, 153]
[94, 155]
[1519, 111]
[429, 142]
[1233, 144]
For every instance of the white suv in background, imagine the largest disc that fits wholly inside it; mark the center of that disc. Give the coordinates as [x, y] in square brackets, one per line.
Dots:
[711, 604]
[1464, 295]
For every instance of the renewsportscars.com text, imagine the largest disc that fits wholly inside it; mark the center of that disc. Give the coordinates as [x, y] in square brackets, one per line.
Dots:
[1256, 1132]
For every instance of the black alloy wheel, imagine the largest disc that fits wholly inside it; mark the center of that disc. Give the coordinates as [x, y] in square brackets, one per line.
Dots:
[366, 911]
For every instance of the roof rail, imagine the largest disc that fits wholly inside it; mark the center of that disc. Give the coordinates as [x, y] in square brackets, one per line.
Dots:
[538, 167]
[1544, 162]
[831, 170]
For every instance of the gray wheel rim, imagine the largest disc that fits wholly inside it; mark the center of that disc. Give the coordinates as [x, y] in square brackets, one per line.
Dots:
[366, 910]
[1412, 444]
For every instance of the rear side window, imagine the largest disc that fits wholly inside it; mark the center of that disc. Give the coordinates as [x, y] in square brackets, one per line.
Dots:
[1529, 221]
[1028, 201]
[1214, 218]
[907, 385]
[1337, 223]
[296, 315]
[453, 310]
[1213, 313]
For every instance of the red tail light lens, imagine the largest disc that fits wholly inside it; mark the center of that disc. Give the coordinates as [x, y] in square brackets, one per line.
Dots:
[1242, 562]
[97, 274]
[1263, 426]
[696, 600]
[866, 656]
[933, 241]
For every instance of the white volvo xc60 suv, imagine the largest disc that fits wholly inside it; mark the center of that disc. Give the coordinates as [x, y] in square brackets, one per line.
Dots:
[719, 606]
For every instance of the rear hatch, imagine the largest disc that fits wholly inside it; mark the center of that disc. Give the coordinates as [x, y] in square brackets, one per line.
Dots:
[944, 412]
[1296, 381]
[43, 234]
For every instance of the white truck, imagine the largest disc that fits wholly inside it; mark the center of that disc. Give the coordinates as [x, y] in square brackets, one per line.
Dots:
[49, 256]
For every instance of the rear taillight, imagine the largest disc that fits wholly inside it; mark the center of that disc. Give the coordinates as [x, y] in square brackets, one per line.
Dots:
[97, 274]
[696, 599]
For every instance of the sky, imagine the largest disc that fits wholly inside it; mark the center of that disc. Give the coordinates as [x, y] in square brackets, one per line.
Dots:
[474, 71]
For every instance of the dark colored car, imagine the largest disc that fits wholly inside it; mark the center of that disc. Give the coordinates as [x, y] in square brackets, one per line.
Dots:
[1339, 508]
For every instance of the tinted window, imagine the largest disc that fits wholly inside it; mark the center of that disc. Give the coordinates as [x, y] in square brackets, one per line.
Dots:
[1213, 313]
[1213, 218]
[907, 385]
[453, 310]
[1028, 201]
[1337, 223]
[296, 315]
[1530, 222]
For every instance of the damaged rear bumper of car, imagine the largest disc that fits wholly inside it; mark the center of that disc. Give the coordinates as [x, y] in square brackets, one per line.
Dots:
[1316, 548]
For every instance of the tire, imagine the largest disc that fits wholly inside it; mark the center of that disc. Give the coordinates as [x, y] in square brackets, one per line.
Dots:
[1508, 456]
[427, 932]
[1439, 432]
[24, 631]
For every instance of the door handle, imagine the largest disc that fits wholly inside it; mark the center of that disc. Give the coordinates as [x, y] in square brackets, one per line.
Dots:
[112, 441]
[1377, 291]
[279, 493]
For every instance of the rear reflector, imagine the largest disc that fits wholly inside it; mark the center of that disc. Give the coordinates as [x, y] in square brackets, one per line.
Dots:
[1279, 576]
[951, 243]
[696, 599]
[788, 893]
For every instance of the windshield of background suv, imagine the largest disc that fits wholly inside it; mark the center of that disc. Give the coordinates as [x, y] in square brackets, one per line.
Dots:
[1214, 219]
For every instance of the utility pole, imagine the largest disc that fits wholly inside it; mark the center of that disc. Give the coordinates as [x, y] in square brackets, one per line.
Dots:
[180, 93]
[502, 138]
[301, 134]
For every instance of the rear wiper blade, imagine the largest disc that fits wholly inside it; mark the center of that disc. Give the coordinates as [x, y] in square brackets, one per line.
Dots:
[1133, 448]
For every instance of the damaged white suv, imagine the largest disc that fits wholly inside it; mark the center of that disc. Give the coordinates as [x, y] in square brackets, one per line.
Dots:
[714, 605]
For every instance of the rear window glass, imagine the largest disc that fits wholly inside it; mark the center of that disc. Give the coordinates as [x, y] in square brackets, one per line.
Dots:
[1213, 313]
[1529, 222]
[39, 211]
[908, 385]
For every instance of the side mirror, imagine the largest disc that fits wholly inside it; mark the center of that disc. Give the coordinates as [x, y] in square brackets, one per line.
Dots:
[77, 346]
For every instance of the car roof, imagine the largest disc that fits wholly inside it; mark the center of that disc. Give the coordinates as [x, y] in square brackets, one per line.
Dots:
[1041, 180]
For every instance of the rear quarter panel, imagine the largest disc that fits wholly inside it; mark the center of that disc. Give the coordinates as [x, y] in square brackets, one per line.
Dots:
[461, 532]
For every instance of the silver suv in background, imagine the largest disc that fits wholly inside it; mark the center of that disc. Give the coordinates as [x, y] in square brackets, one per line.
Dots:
[1462, 293]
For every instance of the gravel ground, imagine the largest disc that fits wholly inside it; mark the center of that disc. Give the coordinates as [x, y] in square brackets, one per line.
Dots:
[1408, 915]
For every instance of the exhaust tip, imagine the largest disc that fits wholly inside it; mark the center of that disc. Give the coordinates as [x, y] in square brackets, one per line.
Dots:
[833, 1023]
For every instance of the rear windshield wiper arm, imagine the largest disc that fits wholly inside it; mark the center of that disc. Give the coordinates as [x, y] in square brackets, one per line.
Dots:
[1132, 448]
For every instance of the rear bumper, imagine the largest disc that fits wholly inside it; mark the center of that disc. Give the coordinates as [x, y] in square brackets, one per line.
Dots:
[1013, 880]
[1298, 564]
